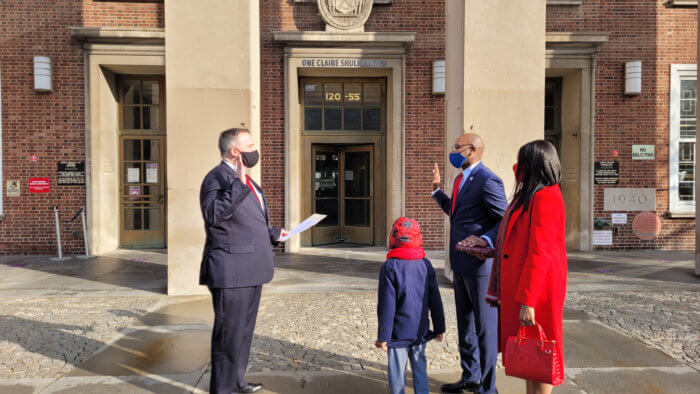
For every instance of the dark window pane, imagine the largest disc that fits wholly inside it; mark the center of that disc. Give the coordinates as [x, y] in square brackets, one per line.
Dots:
[332, 118]
[686, 191]
[352, 94]
[151, 92]
[357, 213]
[334, 94]
[549, 118]
[353, 118]
[326, 176]
[313, 94]
[549, 94]
[151, 118]
[372, 117]
[132, 149]
[312, 118]
[373, 94]
[132, 92]
[151, 150]
[357, 174]
[132, 219]
[151, 219]
[132, 118]
[328, 206]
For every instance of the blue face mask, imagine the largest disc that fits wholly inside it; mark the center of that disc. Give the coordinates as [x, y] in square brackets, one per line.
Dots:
[456, 159]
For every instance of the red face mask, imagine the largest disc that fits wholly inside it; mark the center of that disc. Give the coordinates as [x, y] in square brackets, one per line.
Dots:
[519, 177]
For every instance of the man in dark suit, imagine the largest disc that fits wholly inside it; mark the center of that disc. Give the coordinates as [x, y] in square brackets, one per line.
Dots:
[475, 209]
[237, 258]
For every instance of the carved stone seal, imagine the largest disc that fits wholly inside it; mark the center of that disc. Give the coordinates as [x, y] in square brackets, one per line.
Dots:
[345, 14]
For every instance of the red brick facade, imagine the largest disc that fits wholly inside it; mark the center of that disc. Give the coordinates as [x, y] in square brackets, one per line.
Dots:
[425, 113]
[49, 125]
[659, 36]
[52, 125]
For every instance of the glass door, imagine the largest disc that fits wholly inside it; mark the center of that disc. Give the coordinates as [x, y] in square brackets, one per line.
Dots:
[343, 190]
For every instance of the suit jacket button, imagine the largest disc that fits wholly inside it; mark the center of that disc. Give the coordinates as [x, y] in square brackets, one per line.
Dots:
[505, 256]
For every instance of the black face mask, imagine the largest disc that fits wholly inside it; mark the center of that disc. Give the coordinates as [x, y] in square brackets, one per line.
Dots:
[250, 159]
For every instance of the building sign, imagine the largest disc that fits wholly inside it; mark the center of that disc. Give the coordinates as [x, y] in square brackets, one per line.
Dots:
[39, 185]
[606, 172]
[642, 152]
[71, 173]
[619, 218]
[344, 63]
[646, 226]
[630, 199]
[12, 188]
[603, 238]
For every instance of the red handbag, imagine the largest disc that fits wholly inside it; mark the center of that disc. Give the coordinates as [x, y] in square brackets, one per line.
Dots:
[534, 359]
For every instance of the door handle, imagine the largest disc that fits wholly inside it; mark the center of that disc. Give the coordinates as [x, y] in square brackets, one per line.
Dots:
[160, 199]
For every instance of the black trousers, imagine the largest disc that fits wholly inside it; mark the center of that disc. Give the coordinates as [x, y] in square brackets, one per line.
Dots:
[235, 312]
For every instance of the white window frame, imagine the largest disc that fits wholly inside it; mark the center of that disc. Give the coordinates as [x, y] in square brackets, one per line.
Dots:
[679, 72]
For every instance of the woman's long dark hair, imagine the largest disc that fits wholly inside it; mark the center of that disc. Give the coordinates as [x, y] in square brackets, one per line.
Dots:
[538, 167]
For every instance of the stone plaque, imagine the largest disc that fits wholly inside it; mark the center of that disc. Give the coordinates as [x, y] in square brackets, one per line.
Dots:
[345, 14]
[630, 199]
[606, 172]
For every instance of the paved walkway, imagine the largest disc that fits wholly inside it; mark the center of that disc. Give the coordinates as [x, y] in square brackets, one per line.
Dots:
[104, 325]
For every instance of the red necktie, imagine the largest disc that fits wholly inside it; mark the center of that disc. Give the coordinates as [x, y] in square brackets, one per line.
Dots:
[455, 191]
[250, 185]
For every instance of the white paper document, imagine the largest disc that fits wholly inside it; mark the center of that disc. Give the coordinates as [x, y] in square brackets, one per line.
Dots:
[305, 225]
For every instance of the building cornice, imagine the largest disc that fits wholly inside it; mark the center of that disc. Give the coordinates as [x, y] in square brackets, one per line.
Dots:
[118, 35]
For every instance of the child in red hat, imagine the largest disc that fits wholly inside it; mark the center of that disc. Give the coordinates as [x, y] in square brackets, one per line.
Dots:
[408, 290]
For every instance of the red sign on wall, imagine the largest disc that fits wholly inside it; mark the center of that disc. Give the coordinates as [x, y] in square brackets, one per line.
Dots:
[39, 185]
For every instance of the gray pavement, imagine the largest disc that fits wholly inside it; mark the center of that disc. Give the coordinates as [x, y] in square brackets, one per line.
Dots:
[104, 325]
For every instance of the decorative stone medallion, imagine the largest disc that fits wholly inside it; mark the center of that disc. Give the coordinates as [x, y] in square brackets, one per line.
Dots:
[345, 14]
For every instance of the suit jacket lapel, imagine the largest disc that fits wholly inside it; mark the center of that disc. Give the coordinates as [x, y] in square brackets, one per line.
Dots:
[467, 184]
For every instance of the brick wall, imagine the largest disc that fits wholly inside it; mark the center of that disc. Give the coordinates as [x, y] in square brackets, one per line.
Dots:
[425, 114]
[659, 36]
[50, 125]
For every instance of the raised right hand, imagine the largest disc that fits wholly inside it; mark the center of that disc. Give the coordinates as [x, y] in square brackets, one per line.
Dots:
[436, 177]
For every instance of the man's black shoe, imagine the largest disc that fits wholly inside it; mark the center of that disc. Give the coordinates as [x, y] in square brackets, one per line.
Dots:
[461, 386]
[251, 388]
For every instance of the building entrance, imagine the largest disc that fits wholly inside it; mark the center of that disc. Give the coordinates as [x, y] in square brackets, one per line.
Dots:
[142, 188]
[343, 189]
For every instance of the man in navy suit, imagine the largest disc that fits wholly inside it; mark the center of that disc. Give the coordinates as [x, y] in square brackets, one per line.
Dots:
[237, 258]
[475, 209]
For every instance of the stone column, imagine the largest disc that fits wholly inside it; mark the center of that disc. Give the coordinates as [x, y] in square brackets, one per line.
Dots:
[495, 54]
[212, 83]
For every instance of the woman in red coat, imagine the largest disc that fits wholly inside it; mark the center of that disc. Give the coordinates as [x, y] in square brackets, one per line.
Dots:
[528, 281]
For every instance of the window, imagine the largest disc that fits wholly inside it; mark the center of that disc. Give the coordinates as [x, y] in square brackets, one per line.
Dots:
[682, 138]
[141, 105]
[336, 105]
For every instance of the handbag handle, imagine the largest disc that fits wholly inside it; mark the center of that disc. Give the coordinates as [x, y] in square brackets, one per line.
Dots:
[540, 331]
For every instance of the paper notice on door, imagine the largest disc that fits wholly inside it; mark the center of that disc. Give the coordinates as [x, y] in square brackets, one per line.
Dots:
[133, 175]
[151, 172]
[348, 175]
[305, 225]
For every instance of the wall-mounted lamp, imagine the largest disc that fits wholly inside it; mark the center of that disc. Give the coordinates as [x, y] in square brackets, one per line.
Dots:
[439, 77]
[42, 74]
[633, 77]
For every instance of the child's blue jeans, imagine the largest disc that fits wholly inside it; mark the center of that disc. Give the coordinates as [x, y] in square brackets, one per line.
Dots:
[397, 368]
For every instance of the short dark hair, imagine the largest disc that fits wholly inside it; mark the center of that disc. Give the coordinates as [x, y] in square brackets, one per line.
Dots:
[538, 167]
[229, 137]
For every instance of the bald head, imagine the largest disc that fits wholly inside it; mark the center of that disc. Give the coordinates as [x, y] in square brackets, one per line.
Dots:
[473, 147]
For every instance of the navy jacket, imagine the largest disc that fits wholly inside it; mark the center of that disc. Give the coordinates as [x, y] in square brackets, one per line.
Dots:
[238, 248]
[407, 290]
[479, 208]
